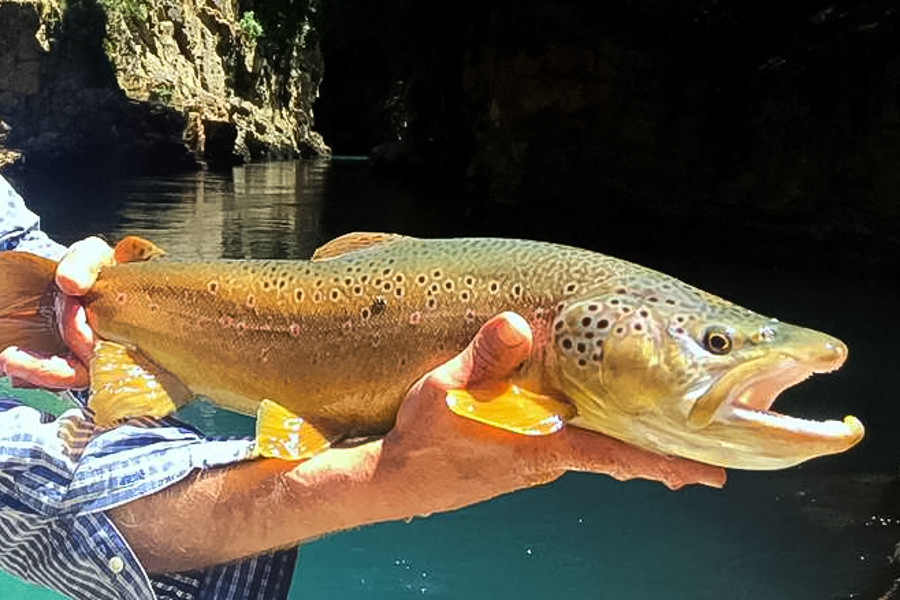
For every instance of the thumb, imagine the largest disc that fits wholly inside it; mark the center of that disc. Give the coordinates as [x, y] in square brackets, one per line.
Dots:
[500, 346]
[78, 269]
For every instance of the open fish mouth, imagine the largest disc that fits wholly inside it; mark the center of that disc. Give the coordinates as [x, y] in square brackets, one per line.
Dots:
[751, 402]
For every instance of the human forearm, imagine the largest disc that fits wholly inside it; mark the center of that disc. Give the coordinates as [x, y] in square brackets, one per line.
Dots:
[224, 514]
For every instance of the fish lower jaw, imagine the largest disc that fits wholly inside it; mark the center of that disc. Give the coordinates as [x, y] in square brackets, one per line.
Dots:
[843, 434]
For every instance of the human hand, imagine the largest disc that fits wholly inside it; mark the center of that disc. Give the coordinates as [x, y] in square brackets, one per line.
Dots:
[472, 462]
[75, 275]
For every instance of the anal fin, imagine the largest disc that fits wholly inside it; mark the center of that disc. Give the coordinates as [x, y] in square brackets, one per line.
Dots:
[516, 410]
[282, 434]
[124, 384]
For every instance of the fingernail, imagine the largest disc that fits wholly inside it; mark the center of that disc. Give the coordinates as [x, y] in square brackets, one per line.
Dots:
[510, 330]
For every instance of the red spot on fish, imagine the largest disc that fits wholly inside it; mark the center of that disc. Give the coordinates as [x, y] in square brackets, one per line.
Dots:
[153, 307]
[226, 321]
[415, 318]
[212, 287]
[295, 330]
[470, 315]
[120, 298]
[241, 327]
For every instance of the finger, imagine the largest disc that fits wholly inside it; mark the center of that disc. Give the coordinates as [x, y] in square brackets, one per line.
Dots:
[78, 269]
[74, 328]
[500, 346]
[56, 372]
[588, 451]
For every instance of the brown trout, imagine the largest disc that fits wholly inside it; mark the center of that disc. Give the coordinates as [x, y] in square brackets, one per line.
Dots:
[334, 343]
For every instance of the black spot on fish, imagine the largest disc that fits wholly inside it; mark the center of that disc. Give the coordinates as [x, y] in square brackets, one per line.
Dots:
[602, 324]
[298, 295]
[644, 313]
[335, 295]
[212, 287]
[582, 363]
[378, 305]
[421, 279]
[586, 322]
[567, 344]
[581, 348]
[592, 307]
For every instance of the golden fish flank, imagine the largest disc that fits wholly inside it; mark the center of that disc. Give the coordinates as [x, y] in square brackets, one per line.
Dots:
[337, 340]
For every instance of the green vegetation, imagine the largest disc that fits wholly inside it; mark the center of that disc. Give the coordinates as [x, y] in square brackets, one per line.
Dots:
[250, 27]
[130, 9]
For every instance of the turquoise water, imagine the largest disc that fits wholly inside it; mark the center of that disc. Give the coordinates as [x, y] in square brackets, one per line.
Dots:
[822, 531]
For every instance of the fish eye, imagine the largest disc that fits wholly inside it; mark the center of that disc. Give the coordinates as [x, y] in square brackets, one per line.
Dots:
[717, 340]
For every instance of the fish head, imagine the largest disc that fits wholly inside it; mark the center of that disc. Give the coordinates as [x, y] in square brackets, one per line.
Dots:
[676, 370]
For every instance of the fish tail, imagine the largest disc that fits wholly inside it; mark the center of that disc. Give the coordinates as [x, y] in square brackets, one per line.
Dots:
[27, 315]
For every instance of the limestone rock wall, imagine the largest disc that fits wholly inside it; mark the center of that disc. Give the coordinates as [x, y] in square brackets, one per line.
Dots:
[153, 85]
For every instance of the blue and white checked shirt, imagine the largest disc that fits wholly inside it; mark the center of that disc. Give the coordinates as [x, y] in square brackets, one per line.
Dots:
[59, 475]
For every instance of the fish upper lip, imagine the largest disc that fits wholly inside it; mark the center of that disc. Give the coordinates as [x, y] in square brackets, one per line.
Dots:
[787, 370]
[759, 392]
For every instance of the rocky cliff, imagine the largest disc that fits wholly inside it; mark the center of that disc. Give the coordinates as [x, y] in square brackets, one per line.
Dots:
[131, 86]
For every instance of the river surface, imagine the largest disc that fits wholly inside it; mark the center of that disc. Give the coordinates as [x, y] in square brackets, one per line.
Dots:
[821, 531]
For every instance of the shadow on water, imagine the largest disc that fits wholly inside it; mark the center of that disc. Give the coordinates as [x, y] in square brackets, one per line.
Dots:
[824, 530]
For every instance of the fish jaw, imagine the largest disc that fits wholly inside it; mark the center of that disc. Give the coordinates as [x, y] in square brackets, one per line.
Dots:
[745, 419]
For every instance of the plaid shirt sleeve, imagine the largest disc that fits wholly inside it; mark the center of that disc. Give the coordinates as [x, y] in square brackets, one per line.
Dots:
[58, 476]
[20, 228]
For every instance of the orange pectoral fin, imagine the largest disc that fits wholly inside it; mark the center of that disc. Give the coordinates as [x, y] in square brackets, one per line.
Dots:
[282, 434]
[515, 410]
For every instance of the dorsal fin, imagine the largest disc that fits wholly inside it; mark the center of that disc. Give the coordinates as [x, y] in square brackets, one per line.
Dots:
[353, 242]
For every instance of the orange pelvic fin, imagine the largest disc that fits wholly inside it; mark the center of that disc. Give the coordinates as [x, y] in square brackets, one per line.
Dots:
[516, 410]
[124, 384]
[282, 434]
